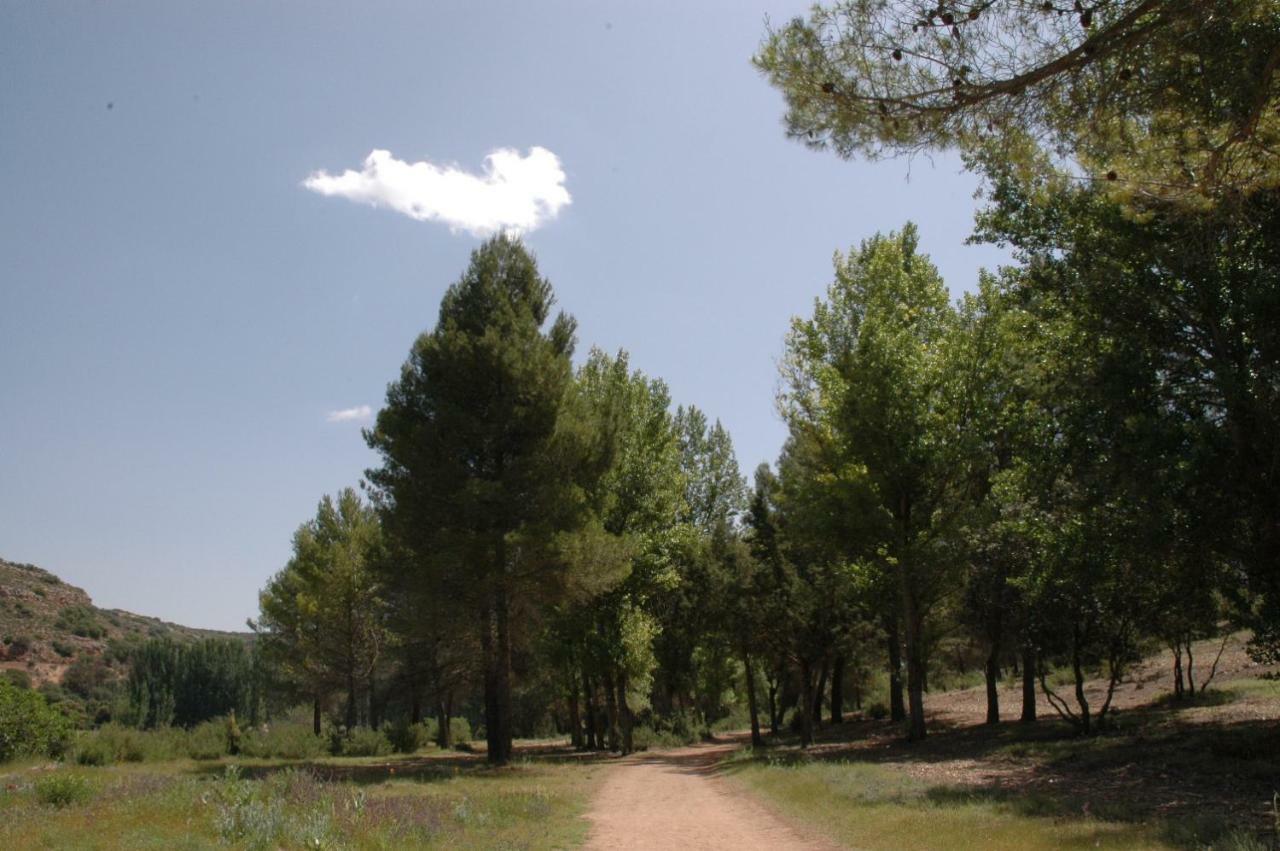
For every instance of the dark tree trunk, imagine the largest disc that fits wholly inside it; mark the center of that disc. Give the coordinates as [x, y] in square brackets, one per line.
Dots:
[816, 705]
[351, 699]
[915, 666]
[589, 694]
[775, 714]
[1028, 684]
[415, 705]
[1178, 688]
[315, 715]
[837, 690]
[1077, 668]
[575, 718]
[806, 704]
[897, 708]
[1191, 679]
[611, 706]
[756, 739]
[444, 728]
[992, 672]
[625, 719]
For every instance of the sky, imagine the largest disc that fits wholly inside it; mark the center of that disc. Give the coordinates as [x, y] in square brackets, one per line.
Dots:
[222, 226]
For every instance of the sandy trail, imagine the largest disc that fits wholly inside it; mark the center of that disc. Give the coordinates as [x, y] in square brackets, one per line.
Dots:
[673, 799]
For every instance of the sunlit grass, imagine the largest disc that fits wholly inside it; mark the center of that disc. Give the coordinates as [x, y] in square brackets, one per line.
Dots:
[184, 804]
[880, 807]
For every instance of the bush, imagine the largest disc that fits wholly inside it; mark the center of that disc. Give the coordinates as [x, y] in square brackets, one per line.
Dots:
[21, 679]
[283, 741]
[113, 743]
[66, 651]
[80, 620]
[406, 737]
[19, 646]
[29, 726]
[363, 741]
[62, 790]
[878, 711]
[208, 740]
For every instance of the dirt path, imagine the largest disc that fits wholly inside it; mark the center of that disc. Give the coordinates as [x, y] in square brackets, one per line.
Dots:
[673, 799]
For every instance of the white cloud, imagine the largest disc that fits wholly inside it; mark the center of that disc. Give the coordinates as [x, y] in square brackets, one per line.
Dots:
[514, 194]
[358, 414]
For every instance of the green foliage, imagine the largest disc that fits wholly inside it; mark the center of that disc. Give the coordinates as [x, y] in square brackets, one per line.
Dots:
[1166, 99]
[81, 621]
[186, 684]
[28, 725]
[363, 741]
[283, 741]
[63, 789]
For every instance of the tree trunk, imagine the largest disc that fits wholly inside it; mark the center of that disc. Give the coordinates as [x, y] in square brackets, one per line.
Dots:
[1028, 684]
[806, 704]
[1178, 689]
[415, 704]
[444, 723]
[756, 739]
[992, 673]
[625, 719]
[915, 663]
[818, 693]
[351, 700]
[1191, 679]
[315, 715]
[589, 695]
[575, 719]
[611, 706]
[1077, 668]
[775, 719]
[897, 709]
[837, 690]
[502, 736]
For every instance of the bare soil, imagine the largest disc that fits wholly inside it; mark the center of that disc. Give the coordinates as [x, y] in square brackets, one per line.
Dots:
[674, 799]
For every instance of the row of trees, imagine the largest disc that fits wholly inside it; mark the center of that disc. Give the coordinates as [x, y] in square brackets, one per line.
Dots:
[1077, 459]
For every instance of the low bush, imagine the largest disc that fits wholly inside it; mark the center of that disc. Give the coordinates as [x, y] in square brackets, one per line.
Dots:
[29, 726]
[61, 789]
[363, 741]
[406, 737]
[208, 740]
[283, 741]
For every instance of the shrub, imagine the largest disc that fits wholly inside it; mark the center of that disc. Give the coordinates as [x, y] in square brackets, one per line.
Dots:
[61, 789]
[406, 737]
[112, 743]
[21, 679]
[284, 741]
[28, 725]
[19, 646]
[66, 651]
[363, 741]
[207, 740]
[80, 620]
[878, 711]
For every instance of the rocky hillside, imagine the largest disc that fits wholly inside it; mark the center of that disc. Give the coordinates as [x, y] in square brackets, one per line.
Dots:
[46, 624]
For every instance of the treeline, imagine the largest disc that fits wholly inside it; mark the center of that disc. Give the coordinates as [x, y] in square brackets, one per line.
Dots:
[1046, 473]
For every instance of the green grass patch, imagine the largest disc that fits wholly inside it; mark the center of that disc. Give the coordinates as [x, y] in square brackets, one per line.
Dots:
[267, 805]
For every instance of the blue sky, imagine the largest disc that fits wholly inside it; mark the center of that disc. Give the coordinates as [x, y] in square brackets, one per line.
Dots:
[179, 315]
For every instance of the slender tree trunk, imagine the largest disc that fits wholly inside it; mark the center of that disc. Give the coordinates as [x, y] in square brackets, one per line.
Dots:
[1028, 684]
[625, 719]
[415, 704]
[503, 707]
[756, 739]
[589, 694]
[489, 655]
[315, 715]
[806, 704]
[992, 673]
[1077, 668]
[775, 716]
[351, 699]
[1191, 677]
[575, 718]
[897, 708]
[1178, 689]
[816, 706]
[611, 706]
[915, 664]
[837, 690]
[444, 724]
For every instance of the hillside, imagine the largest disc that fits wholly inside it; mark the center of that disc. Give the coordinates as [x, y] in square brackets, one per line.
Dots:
[46, 624]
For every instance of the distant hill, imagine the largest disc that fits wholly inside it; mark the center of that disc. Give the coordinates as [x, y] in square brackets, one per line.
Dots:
[46, 624]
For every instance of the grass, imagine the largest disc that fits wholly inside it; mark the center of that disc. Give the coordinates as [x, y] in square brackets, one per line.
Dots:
[879, 807]
[333, 803]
